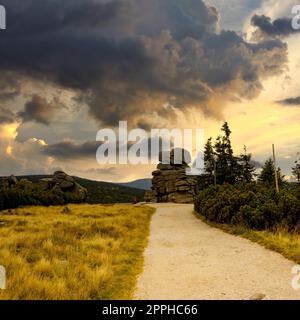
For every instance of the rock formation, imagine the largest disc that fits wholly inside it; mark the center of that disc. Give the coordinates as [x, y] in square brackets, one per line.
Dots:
[9, 182]
[170, 182]
[60, 182]
[64, 183]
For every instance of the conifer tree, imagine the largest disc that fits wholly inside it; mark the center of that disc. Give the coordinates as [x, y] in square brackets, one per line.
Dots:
[267, 174]
[209, 158]
[247, 168]
[227, 165]
[296, 171]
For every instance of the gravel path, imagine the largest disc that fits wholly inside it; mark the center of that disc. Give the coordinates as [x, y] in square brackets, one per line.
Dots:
[187, 259]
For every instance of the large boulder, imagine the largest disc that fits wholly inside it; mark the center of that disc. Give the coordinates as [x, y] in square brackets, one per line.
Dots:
[46, 184]
[24, 184]
[9, 182]
[170, 181]
[150, 196]
[64, 183]
[176, 156]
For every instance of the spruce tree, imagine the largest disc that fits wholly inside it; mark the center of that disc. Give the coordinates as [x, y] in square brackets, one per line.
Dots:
[220, 160]
[209, 158]
[296, 171]
[227, 165]
[267, 174]
[246, 167]
[207, 178]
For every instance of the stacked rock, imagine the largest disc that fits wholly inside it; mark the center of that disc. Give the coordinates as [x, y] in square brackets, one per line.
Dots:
[64, 183]
[170, 182]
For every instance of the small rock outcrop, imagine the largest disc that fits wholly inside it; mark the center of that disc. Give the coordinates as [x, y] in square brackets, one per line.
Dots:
[64, 183]
[60, 182]
[9, 182]
[13, 183]
[170, 182]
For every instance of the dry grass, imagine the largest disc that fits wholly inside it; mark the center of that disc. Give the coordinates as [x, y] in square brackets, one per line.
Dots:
[281, 241]
[78, 252]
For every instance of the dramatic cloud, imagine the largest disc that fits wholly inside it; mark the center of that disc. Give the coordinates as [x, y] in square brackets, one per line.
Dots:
[234, 13]
[70, 150]
[6, 116]
[281, 27]
[290, 101]
[38, 109]
[9, 86]
[21, 158]
[134, 60]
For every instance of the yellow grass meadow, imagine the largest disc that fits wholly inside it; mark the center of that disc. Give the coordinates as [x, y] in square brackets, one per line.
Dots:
[74, 252]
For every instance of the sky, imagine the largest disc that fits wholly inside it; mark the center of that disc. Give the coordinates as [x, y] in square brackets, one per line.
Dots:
[69, 68]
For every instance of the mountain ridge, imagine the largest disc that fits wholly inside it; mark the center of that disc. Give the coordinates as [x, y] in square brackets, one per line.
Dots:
[142, 184]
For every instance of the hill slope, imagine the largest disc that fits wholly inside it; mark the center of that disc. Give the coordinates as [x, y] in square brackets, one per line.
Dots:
[144, 184]
[101, 192]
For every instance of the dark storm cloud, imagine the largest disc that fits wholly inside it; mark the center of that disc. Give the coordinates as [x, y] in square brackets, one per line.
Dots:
[295, 101]
[38, 109]
[71, 150]
[9, 86]
[128, 58]
[34, 16]
[6, 116]
[68, 150]
[281, 27]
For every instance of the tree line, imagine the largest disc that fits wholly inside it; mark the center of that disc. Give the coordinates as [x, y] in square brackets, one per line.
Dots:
[222, 166]
[232, 193]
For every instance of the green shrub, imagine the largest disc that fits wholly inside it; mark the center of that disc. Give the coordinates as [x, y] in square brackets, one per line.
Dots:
[251, 205]
[14, 198]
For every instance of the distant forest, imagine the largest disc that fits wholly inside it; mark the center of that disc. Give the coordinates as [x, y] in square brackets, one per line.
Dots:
[101, 192]
[98, 192]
